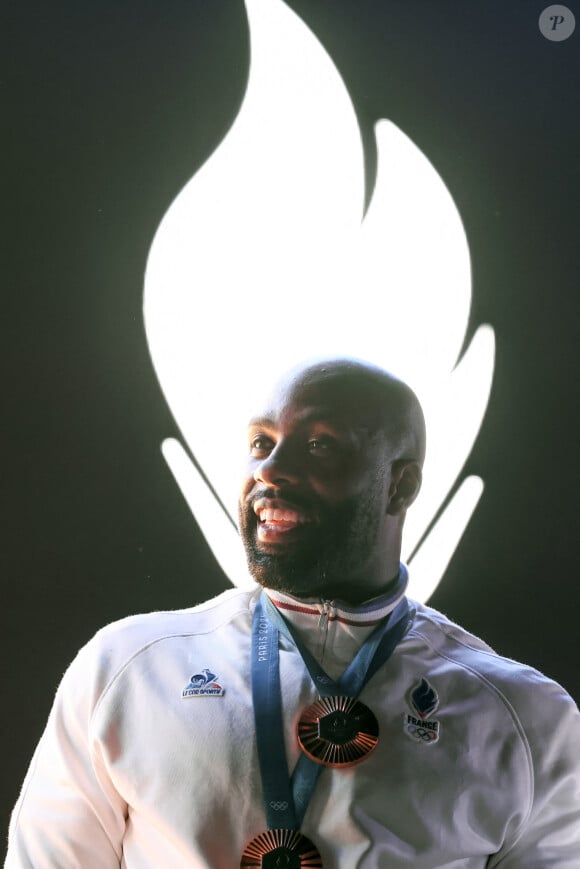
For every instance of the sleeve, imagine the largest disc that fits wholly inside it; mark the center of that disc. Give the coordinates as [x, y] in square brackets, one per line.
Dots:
[550, 835]
[69, 814]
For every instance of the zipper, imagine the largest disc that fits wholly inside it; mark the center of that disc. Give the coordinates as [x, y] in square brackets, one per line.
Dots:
[327, 607]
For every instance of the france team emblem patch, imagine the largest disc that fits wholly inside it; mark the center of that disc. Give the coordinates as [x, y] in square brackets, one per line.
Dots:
[423, 700]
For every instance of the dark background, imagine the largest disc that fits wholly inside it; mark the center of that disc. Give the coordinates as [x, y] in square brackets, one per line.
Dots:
[108, 109]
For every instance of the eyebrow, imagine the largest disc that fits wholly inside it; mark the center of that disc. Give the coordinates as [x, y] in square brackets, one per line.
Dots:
[309, 415]
[258, 421]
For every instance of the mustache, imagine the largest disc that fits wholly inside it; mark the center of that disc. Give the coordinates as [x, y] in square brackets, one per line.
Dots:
[291, 499]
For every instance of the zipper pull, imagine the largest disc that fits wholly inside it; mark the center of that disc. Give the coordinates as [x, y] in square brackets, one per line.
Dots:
[323, 627]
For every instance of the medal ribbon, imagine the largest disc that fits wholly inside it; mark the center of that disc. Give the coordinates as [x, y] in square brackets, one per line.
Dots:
[267, 702]
[286, 801]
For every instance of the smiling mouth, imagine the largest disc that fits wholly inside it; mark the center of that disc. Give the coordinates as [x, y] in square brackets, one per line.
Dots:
[278, 522]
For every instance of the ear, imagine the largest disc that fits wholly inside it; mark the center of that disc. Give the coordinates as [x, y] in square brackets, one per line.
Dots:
[406, 477]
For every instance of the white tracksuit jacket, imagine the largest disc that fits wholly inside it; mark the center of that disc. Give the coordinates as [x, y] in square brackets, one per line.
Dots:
[133, 771]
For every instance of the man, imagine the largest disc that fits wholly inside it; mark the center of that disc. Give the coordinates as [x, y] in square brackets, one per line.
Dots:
[198, 738]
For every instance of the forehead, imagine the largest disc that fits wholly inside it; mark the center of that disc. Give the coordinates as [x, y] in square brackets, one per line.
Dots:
[347, 401]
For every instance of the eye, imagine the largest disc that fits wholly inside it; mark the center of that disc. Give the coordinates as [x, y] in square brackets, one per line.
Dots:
[260, 446]
[321, 446]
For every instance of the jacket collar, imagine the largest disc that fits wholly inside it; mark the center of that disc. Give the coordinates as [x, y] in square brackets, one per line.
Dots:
[334, 630]
[367, 614]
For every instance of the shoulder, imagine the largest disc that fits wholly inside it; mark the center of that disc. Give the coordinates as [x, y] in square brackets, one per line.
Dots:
[469, 652]
[536, 703]
[137, 630]
[129, 640]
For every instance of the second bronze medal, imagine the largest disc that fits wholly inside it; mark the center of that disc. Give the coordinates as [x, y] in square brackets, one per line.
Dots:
[281, 848]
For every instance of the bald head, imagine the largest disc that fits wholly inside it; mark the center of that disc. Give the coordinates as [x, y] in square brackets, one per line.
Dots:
[369, 394]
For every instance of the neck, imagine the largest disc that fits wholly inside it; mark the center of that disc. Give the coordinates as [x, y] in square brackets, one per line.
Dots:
[351, 593]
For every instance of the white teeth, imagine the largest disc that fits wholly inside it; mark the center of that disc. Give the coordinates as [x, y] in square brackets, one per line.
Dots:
[270, 515]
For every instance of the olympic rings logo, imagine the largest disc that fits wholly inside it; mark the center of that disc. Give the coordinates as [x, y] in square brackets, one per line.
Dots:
[278, 805]
[421, 733]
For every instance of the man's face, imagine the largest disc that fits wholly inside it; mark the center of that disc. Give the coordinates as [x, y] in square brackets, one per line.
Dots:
[314, 501]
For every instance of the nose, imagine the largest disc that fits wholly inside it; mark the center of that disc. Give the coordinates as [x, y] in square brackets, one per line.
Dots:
[279, 468]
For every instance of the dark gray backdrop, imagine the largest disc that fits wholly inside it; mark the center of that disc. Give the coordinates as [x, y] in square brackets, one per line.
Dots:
[108, 109]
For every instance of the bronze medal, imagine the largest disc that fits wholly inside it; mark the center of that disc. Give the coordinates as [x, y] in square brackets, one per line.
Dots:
[280, 849]
[338, 731]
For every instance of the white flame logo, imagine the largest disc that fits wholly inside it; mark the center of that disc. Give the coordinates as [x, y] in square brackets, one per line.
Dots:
[264, 258]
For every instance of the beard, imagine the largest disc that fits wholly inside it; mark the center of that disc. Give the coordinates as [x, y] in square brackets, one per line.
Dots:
[329, 556]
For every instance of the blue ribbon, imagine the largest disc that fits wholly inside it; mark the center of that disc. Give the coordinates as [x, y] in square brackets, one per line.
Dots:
[266, 696]
[285, 799]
